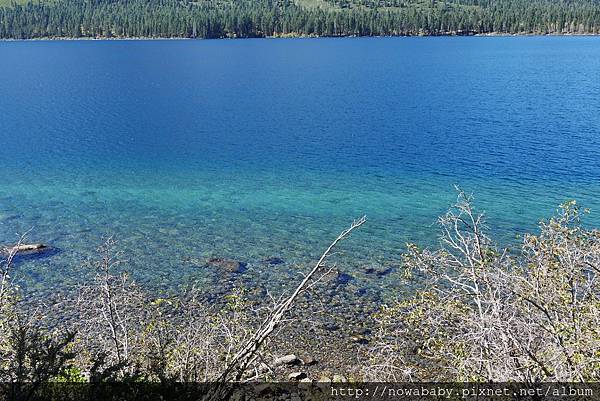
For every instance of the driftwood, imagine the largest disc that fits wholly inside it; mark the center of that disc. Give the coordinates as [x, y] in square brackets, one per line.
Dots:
[23, 248]
[239, 364]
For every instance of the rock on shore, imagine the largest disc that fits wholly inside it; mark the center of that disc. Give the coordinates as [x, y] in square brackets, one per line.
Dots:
[290, 360]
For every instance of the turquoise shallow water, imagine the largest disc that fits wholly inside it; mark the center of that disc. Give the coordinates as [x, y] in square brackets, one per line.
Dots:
[250, 149]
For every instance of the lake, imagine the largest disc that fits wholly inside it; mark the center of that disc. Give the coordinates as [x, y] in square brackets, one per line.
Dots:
[250, 149]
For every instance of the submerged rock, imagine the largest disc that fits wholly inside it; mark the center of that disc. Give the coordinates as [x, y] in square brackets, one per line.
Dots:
[379, 271]
[231, 266]
[274, 261]
[344, 278]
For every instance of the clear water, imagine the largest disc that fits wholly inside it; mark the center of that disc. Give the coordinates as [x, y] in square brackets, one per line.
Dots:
[249, 149]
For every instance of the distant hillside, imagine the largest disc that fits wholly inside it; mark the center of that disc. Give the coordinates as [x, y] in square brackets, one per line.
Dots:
[267, 18]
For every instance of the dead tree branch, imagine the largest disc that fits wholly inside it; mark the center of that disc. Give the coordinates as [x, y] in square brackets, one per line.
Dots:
[238, 365]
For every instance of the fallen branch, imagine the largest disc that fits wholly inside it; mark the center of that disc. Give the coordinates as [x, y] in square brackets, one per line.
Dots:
[14, 249]
[237, 367]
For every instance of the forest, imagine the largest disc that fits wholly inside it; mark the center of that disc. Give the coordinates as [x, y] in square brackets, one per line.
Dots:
[289, 18]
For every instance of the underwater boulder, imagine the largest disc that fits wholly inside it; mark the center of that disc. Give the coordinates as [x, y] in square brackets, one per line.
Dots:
[378, 270]
[231, 266]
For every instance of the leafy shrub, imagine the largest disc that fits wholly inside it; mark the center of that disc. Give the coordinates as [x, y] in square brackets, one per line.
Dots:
[488, 314]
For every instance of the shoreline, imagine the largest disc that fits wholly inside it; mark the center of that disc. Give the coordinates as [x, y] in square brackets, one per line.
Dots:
[450, 35]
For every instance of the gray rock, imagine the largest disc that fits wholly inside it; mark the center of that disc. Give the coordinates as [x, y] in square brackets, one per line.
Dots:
[296, 376]
[339, 379]
[359, 339]
[309, 361]
[290, 360]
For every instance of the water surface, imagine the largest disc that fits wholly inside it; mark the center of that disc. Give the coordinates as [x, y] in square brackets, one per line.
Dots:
[249, 149]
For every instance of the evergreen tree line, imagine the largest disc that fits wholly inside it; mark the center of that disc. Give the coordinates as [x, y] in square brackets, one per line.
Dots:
[266, 18]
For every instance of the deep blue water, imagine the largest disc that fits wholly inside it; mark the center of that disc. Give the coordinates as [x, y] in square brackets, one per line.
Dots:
[248, 149]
